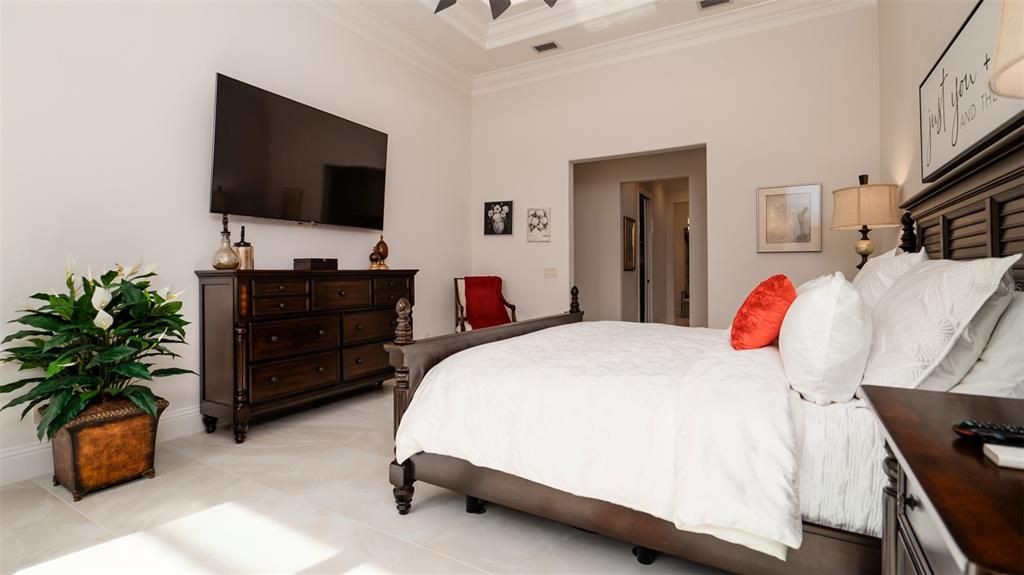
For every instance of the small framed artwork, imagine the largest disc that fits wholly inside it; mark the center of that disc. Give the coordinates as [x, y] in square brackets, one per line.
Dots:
[538, 225]
[498, 218]
[789, 219]
[628, 244]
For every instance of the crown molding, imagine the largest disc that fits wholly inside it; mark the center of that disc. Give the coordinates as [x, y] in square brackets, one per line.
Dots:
[712, 28]
[356, 18]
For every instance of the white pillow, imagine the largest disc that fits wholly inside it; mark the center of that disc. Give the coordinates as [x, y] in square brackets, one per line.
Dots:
[880, 272]
[920, 318]
[1000, 371]
[972, 342]
[825, 340]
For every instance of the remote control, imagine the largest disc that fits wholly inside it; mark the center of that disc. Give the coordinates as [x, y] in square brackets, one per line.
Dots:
[990, 432]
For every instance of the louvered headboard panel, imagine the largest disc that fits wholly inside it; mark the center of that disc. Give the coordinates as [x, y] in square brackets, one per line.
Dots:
[975, 212]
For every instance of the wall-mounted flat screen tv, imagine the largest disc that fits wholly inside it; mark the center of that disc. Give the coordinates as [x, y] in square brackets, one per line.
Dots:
[276, 158]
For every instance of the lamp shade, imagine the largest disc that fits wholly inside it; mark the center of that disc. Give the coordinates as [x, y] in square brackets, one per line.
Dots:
[1007, 77]
[871, 205]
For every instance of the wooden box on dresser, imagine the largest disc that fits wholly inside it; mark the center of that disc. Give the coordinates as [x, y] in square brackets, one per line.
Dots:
[276, 340]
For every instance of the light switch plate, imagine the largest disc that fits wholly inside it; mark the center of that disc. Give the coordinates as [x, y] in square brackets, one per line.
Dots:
[550, 273]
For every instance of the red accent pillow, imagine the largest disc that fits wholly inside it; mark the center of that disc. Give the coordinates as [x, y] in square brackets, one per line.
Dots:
[759, 319]
[484, 306]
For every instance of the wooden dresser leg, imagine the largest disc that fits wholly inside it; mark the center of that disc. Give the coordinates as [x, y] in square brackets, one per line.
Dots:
[210, 422]
[401, 476]
[889, 500]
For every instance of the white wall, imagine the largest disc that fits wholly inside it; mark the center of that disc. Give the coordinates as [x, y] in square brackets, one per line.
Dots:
[108, 113]
[604, 191]
[911, 36]
[791, 105]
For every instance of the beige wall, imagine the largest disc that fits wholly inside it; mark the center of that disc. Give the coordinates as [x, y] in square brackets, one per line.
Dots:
[795, 104]
[108, 113]
[605, 191]
[911, 36]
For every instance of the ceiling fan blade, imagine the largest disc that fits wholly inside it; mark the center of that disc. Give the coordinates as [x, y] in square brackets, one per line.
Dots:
[550, 3]
[443, 4]
[498, 7]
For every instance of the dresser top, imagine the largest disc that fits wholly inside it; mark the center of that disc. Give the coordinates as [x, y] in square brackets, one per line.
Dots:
[980, 503]
[281, 273]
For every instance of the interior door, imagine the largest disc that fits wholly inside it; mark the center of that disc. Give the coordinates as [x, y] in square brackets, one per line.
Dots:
[646, 260]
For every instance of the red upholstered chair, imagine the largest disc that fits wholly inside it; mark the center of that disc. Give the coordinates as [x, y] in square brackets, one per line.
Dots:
[480, 303]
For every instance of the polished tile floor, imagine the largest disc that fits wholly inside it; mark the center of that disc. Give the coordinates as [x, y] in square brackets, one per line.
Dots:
[306, 493]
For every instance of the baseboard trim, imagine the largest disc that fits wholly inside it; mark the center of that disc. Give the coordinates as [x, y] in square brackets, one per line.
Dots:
[34, 459]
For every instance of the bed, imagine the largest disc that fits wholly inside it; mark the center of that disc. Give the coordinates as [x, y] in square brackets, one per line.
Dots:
[973, 212]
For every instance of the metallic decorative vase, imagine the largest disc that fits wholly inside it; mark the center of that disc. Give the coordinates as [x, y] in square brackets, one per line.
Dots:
[246, 258]
[225, 258]
[378, 255]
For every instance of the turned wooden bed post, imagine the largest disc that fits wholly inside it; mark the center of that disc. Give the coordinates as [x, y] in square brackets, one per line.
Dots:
[908, 241]
[401, 475]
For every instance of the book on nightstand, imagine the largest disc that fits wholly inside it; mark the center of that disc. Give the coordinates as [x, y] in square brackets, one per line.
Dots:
[1005, 455]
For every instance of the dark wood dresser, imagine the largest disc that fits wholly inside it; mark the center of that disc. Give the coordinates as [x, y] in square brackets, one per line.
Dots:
[948, 508]
[275, 340]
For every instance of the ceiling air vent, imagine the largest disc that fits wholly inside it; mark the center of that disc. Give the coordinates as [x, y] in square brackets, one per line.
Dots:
[705, 4]
[546, 46]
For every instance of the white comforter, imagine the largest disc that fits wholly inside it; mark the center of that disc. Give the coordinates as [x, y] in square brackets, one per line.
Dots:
[669, 421]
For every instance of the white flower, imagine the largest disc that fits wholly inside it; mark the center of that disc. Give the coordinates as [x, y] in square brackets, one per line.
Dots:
[100, 298]
[69, 264]
[162, 292]
[103, 320]
[175, 295]
[149, 268]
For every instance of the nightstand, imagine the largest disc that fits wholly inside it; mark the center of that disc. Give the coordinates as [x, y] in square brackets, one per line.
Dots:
[948, 508]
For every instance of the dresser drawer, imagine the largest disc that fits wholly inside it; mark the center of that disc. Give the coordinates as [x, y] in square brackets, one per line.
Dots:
[387, 291]
[341, 294]
[925, 531]
[291, 337]
[363, 360]
[262, 288]
[294, 375]
[279, 305]
[367, 326]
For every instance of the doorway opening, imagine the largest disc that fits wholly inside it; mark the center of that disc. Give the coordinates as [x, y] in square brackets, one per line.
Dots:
[639, 237]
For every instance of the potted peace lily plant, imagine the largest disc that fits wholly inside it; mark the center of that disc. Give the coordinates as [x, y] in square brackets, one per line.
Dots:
[88, 352]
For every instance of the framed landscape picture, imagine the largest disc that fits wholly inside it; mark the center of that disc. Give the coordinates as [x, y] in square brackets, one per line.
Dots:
[789, 219]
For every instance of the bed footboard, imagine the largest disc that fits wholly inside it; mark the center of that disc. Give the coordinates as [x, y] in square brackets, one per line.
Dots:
[413, 359]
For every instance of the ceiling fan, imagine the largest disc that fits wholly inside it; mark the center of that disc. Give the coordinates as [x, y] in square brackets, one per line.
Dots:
[497, 6]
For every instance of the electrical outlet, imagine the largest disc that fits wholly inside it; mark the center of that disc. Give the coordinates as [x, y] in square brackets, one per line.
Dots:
[550, 273]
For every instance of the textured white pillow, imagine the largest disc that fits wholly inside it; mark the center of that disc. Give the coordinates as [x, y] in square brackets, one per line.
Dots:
[1000, 371]
[972, 341]
[882, 271]
[825, 340]
[920, 318]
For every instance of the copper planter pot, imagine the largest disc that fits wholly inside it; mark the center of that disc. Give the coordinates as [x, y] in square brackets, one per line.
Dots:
[112, 441]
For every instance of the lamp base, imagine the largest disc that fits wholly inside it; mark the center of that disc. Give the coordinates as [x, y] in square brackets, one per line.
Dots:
[864, 246]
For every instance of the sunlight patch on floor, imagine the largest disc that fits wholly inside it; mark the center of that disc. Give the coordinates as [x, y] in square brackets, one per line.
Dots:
[226, 538]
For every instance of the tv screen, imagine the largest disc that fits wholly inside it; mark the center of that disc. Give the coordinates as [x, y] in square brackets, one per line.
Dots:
[276, 158]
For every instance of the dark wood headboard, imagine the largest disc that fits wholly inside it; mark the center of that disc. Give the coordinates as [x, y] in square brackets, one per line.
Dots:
[977, 211]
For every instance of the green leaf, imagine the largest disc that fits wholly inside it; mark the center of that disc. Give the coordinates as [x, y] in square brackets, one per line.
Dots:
[57, 404]
[31, 404]
[108, 277]
[112, 355]
[164, 372]
[70, 411]
[58, 340]
[19, 384]
[40, 296]
[133, 370]
[51, 387]
[41, 321]
[142, 397]
[24, 333]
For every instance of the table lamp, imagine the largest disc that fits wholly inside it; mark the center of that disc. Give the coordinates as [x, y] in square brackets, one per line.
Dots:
[864, 207]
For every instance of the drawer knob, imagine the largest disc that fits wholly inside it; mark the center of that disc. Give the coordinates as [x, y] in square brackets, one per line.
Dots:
[391, 283]
[359, 327]
[321, 369]
[342, 293]
[281, 305]
[274, 339]
[274, 379]
[321, 332]
[280, 288]
[391, 298]
[912, 502]
[359, 361]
